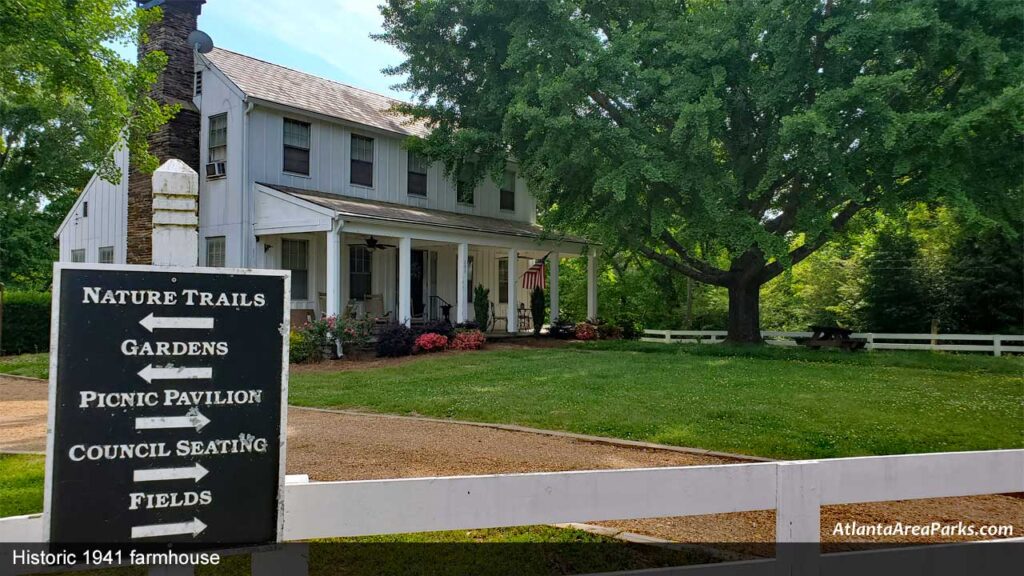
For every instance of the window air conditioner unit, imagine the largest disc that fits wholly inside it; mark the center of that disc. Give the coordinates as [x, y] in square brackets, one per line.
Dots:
[216, 169]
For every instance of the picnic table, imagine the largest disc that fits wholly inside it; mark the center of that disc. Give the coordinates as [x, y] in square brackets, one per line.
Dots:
[832, 336]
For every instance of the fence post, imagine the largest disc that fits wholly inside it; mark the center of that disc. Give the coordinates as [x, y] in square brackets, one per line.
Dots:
[668, 336]
[797, 518]
[997, 345]
[291, 559]
[871, 341]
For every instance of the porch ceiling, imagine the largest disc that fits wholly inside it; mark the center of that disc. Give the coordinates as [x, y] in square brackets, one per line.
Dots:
[387, 212]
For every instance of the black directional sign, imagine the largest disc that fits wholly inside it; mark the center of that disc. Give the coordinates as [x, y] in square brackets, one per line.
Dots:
[166, 396]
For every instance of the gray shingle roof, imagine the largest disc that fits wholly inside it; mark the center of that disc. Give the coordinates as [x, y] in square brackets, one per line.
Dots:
[373, 210]
[273, 83]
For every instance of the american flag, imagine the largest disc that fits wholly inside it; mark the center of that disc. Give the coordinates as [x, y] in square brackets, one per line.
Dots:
[534, 276]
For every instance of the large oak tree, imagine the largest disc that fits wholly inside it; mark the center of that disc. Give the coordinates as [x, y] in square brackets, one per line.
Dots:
[723, 140]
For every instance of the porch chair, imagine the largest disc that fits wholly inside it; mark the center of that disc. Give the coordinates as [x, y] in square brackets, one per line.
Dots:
[374, 306]
[495, 319]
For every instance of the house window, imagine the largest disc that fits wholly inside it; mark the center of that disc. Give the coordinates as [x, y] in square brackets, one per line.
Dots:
[469, 279]
[215, 251]
[417, 174]
[85, 209]
[106, 255]
[362, 160]
[464, 190]
[218, 144]
[293, 257]
[508, 191]
[503, 281]
[296, 147]
[360, 265]
[78, 255]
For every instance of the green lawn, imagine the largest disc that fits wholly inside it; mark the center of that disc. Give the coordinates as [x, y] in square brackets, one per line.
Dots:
[34, 365]
[21, 484]
[772, 402]
[765, 401]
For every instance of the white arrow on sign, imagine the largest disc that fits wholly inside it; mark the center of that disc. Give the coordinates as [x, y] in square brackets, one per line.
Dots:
[150, 373]
[151, 323]
[194, 528]
[195, 472]
[192, 419]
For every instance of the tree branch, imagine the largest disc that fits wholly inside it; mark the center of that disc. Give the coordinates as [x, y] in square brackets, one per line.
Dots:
[680, 267]
[684, 255]
[797, 255]
[606, 104]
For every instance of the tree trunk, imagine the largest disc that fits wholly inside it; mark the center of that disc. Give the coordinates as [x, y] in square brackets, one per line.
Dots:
[744, 325]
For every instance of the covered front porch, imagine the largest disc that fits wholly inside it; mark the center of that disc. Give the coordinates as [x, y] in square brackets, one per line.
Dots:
[407, 264]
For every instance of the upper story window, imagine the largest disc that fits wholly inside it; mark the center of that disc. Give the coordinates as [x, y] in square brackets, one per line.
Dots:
[294, 257]
[508, 191]
[362, 160]
[78, 255]
[464, 188]
[296, 147]
[417, 174]
[217, 146]
[215, 251]
[106, 255]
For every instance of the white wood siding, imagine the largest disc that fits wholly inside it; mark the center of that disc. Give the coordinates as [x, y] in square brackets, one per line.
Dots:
[107, 222]
[222, 207]
[329, 168]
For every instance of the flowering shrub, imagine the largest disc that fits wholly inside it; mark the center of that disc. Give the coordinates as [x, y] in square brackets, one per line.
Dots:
[468, 340]
[430, 342]
[586, 331]
[354, 333]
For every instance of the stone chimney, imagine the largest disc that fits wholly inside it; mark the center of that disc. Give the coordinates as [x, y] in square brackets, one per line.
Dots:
[179, 138]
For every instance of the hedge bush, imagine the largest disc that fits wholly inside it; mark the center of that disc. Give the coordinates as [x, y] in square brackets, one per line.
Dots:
[26, 326]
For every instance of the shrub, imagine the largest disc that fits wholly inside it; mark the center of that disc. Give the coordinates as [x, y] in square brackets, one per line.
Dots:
[442, 327]
[586, 331]
[537, 306]
[396, 340]
[301, 349]
[468, 340]
[430, 342]
[354, 333]
[471, 325]
[563, 328]
[609, 331]
[482, 305]
[26, 326]
[632, 329]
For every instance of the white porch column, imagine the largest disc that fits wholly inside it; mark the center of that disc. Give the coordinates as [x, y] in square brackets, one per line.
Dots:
[175, 234]
[553, 262]
[343, 278]
[592, 284]
[405, 280]
[334, 269]
[512, 312]
[462, 278]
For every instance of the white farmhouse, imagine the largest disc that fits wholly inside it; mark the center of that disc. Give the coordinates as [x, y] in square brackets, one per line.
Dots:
[302, 173]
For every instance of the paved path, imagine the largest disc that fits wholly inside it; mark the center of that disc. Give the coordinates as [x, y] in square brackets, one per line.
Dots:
[346, 446]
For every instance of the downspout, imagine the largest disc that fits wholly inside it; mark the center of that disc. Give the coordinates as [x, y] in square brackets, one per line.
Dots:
[246, 189]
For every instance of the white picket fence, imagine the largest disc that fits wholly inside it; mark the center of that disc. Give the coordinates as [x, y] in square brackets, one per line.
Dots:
[796, 490]
[993, 343]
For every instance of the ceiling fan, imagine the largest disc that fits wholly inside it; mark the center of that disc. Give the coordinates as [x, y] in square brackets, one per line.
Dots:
[372, 243]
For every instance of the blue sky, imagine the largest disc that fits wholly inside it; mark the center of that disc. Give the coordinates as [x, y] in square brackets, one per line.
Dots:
[329, 38]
